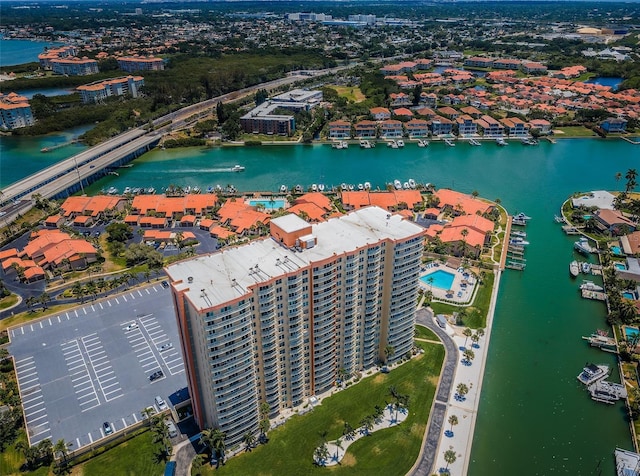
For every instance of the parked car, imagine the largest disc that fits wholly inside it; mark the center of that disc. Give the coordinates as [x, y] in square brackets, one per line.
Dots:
[164, 347]
[156, 375]
[162, 405]
[165, 284]
[132, 326]
[106, 427]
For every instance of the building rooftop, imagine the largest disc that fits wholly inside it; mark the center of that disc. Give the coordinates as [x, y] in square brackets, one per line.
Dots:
[212, 280]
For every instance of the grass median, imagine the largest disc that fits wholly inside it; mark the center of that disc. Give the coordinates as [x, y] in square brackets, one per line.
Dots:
[390, 451]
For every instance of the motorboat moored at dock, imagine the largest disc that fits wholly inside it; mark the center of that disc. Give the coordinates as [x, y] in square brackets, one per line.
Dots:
[501, 142]
[607, 392]
[591, 373]
[449, 142]
[591, 286]
[583, 246]
[574, 268]
[603, 342]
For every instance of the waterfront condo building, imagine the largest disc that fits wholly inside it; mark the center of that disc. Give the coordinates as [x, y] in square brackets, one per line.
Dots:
[131, 64]
[98, 91]
[278, 320]
[15, 112]
[74, 66]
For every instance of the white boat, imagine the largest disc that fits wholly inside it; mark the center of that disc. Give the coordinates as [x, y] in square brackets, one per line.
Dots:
[423, 143]
[314, 187]
[412, 184]
[350, 187]
[519, 222]
[585, 267]
[518, 233]
[344, 144]
[607, 392]
[321, 187]
[112, 191]
[591, 286]
[195, 189]
[574, 268]
[397, 184]
[237, 168]
[364, 144]
[518, 241]
[449, 142]
[559, 219]
[283, 189]
[583, 246]
[299, 189]
[474, 142]
[592, 373]
[367, 185]
[127, 190]
[400, 143]
[522, 216]
[529, 141]
[151, 190]
[603, 342]
[360, 187]
[343, 187]
[405, 185]
[501, 142]
[393, 144]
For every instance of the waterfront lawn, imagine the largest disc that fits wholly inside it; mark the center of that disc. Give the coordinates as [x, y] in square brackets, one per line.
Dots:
[133, 457]
[575, 131]
[390, 452]
[476, 314]
[425, 333]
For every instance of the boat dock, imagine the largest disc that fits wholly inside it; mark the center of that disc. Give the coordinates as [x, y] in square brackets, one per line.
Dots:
[513, 253]
[570, 230]
[629, 140]
[595, 295]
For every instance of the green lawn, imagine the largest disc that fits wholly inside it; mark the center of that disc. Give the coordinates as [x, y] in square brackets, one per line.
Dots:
[351, 93]
[476, 313]
[425, 333]
[574, 131]
[8, 301]
[390, 452]
[134, 457]
[11, 461]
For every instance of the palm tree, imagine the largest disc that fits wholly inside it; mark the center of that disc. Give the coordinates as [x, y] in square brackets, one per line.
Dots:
[217, 440]
[469, 355]
[378, 414]
[249, 440]
[348, 432]
[321, 454]
[196, 466]
[338, 444]
[449, 457]
[264, 409]
[367, 424]
[146, 413]
[631, 176]
[466, 333]
[475, 338]
[462, 389]
[388, 352]
[61, 451]
[453, 421]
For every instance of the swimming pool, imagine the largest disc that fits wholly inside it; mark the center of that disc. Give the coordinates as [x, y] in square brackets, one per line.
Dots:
[628, 295]
[630, 332]
[441, 279]
[616, 250]
[269, 204]
[621, 266]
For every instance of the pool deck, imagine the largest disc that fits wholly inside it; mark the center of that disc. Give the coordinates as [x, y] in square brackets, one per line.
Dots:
[460, 294]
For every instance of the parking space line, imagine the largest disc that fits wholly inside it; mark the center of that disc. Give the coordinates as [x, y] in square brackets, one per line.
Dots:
[117, 302]
[90, 438]
[101, 305]
[123, 297]
[135, 417]
[59, 321]
[147, 289]
[31, 327]
[85, 310]
[75, 311]
[93, 308]
[109, 303]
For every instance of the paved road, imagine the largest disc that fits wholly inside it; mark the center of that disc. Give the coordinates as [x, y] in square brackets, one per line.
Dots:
[428, 458]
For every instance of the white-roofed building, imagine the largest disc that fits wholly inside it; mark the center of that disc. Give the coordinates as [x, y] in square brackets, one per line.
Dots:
[275, 320]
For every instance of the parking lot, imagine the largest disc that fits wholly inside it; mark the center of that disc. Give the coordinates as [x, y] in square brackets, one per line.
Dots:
[92, 365]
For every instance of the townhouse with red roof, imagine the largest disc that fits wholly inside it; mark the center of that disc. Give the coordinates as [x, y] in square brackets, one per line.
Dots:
[339, 130]
[366, 129]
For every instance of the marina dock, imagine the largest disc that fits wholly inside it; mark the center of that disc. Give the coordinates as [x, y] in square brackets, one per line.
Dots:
[595, 295]
[570, 230]
[58, 146]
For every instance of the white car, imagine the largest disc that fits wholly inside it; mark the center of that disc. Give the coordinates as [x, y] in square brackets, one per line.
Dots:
[132, 326]
[164, 347]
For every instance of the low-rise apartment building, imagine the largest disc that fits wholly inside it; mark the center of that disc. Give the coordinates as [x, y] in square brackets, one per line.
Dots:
[100, 90]
[15, 112]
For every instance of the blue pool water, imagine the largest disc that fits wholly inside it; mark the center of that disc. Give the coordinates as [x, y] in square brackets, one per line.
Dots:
[620, 266]
[631, 332]
[275, 204]
[616, 250]
[628, 296]
[441, 279]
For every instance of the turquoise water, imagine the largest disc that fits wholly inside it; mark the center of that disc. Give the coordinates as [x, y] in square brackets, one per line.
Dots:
[275, 204]
[21, 51]
[620, 266]
[631, 332]
[616, 250]
[534, 416]
[628, 295]
[441, 279]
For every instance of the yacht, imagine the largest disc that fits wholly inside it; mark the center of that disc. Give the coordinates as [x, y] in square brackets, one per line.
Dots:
[583, 246]
[365, 144]
[405, 185]
[449, 142]
[529, 141]
[343, 187]
[607, 392]
[126, 191]
[397, 184]
[237, 168]
[423, 143]
[360, 187]
[283, 188]
[299, 189]
[591, 286]
[518, 233]
[151, 190]
[321, 187]
[518, 241]
[393, 144]
[337, 145]
[602, 341]
[474, 142]
[344, 144]
[522, 216]
[592, 373]
[314, 187]
[112, 191]
[574, 268]
[501, 142]
[350, 187]
[412, 184]
[585, 267]
[400, 143]
[367, 185]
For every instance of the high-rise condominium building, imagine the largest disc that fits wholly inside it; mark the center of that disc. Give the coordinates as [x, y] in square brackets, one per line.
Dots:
[277, 319]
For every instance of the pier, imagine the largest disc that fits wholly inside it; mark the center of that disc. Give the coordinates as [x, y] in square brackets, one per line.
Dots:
[59, 146]
[512, 254]
[595, 295]
[570, 230]
[630, 141]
